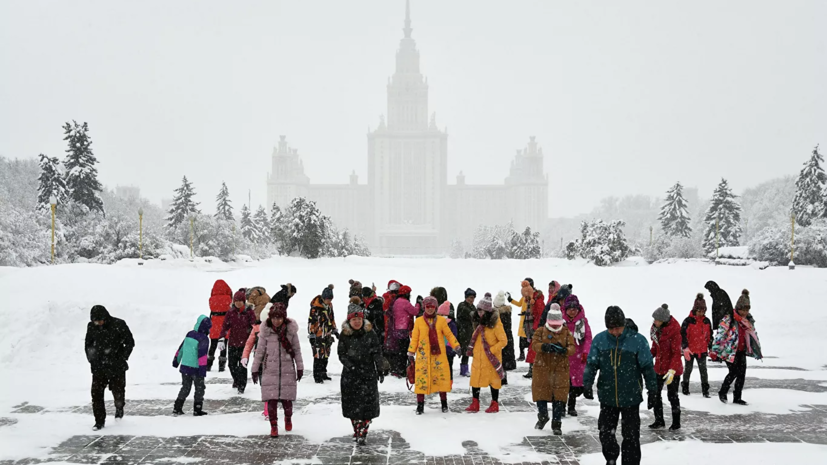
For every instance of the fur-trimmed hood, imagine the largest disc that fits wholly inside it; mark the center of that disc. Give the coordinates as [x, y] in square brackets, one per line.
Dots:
[348, 331]
[495, 316]
[503, 309]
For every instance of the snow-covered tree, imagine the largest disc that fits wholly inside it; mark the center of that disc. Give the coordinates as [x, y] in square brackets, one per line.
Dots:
[525, 245]
[277, 223]
[601, 242]
[725, 210]
[674, 214]
[183, 205]
[262, 225]
[224, 206]
[359, 247]
[50, 182]
[457, 251]
[248, 226]
[305, 231]
[81, 175]
[809, 202]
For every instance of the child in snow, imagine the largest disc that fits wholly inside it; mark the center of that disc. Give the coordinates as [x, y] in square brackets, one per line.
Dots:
[736, 339]
[428, 351]
[192, 357]
[444, 311]
[578, 326]
[666, 349]
[696, 340]
[486, 346]
[553, 344]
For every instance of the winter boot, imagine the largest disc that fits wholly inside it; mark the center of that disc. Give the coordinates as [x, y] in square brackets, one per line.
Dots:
[98, 427]
[658, 424]
[530, 372]
[463, 370]
[572, 412]
[572, 402]
[118, 413]
[685, 388]
[493, 408]
[705, 389]
[222, 363]
[178, 408]
[541, 421]
[420, 408]
[722, 396]
[557, 427]
[522, 356]
[444, 405]
[739, 402]
[274, 428]
[504, 382]
[240, 390]
[288, 423]
[197, 410]
[474, 407]
[676, 420]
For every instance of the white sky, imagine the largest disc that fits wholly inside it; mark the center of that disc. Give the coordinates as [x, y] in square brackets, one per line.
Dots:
[625, 97]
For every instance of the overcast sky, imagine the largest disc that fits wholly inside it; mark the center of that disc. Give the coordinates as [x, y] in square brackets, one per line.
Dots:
[625, 97]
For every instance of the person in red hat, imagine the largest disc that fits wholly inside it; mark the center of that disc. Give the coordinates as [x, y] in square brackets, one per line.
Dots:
[399, 331]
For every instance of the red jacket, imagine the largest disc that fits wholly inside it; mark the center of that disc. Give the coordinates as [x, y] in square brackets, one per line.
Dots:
[666, 347]
[696, 335]
[221, 300]
[537, 313]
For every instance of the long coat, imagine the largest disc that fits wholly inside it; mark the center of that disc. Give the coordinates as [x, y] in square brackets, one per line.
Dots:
[483, 373]
[221, 299]
[551, 370]
[509, 359]
[433, 374]
[109, 346]
[666, 347]
[278, 369]
[465, 323]
[361, 355]
[535, 314]
[522, 304]
[582, 333]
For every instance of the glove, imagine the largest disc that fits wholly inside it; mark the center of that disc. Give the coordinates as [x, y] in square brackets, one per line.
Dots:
[669, 376]
[687, 354]
[255, 377]
[299, 374]
[175, 363]
[221, 345]
[381, 378]
[469, 353]
[650, 402]
[508, 296]
[244, 362]
[583, 357]
[588, 393]
[713, 356]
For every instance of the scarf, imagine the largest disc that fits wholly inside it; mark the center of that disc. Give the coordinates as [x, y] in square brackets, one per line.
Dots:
[654, 332]
[579, 331]
[551, 328]
[433, 338]
[281, 332]
[495, 362]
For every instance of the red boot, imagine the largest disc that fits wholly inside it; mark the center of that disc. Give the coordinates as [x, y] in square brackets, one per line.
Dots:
[474, 407]
[274, 428]
[288, 424]
[493, 408]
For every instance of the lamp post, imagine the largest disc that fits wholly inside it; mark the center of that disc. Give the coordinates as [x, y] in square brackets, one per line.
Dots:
[141, 235]
[792, 240]
[53, 204]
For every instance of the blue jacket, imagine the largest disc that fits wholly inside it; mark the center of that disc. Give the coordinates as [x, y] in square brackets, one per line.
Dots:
[192, 353]
[622, 362]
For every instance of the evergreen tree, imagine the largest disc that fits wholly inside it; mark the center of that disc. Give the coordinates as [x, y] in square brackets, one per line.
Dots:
[81, 174]
[809, 202]
[726, 210]
[674, 214]
[50, 183]
[183, 205]
[224, 207]
[248, 227]
[306, 230]
[276, 227]
[525, 245]
[262, 225]
[359, 247]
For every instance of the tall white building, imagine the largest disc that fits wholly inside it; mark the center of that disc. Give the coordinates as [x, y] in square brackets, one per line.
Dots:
[407, 206]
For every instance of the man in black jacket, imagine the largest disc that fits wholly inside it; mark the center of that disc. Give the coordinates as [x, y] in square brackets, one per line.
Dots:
[109, 344]
[721, 305]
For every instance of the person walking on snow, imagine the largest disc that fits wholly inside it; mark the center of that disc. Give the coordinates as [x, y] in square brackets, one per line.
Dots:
[402, 315]
[391, 344]
[553, 344]
[374, 314]
[736, 339]
[221, 301]
[534, 313]
[486, 346]
[524, 306]
[696, 340]
[238, 324]
[444, 311]
[666, 350]
[109, 344]
[278, 365]
[192, 357]
[361, 355]
[504, 311]
[321, 327]
[465, 328]
[578, 326]
[621, 357]
[259, 298]
[721, 305]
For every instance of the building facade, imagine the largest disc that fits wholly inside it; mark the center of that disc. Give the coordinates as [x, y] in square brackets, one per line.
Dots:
[407, 206]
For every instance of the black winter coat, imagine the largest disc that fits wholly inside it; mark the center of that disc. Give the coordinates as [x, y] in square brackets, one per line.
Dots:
[509, 360]
[465, 323]
[108, 346]
[721, 305]
[376, 316]
[361, 357]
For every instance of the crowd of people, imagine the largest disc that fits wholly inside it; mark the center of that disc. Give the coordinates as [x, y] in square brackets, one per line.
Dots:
[389, 335]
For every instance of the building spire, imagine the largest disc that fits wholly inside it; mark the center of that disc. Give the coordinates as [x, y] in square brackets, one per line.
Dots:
[407, 28]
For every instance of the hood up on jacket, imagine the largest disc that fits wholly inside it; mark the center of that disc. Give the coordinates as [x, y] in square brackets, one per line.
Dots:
[98, 313]
[203, 325]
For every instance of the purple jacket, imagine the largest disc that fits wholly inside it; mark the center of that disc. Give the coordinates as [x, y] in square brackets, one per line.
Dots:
[582, 333]
[403, 314]
[239, 323]
[192, 353]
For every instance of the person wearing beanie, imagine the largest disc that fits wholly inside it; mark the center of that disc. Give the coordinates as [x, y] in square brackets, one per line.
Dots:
[221, 300]
[667, 352]
[374, 313]
[696, 339]
[444, 310]
[486, 346]
[361, 355]
[355, 288]
[522, 304]
[109, 344]
[441, 295]
[735, 340]
[533, 320]
[465, 328]
[191, 356]
[578, 326]
[430, 340]
[504, 310]
[284, 295]
[388, 299]
[553, 344]
[400, 323]
[619, 358]
[321, 328]
[239, 323]
[721, 305]
[278, 365]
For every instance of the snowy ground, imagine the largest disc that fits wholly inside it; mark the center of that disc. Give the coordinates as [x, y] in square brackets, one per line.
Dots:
[44, 398]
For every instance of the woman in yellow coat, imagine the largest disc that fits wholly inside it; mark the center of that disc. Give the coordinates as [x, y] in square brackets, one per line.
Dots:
[433, 374]
[486, 347]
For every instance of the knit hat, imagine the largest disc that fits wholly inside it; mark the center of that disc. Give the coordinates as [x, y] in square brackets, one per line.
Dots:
[565, 291]
[743, 301]
[394, 285]
[367, 291]
[405, 290]
[700, 303]
[277, 310]
[571, 301]
[614, 317]
[355, 286]
[240, 295]
[430, 301]
[470, 292]
[499, 299]
[444, 309]
[327, 293]
[485, 303]
[354, 309]
[662, 313]
[555, 316]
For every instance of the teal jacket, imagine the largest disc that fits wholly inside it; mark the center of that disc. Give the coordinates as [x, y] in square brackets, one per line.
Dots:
[622, 362]
[192, 354]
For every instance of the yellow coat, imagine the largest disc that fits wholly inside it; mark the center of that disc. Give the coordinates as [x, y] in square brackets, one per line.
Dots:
[483, 373]
[433, 374]
[522, 304]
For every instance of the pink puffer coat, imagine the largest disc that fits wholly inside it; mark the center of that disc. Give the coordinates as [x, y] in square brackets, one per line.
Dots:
[278, 368]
